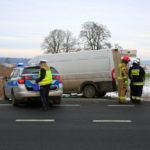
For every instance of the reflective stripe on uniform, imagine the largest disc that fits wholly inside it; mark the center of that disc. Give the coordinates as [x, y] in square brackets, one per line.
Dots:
[135, 72]
[121, 98]
[137, 98]
[138, 83]
[120, 78]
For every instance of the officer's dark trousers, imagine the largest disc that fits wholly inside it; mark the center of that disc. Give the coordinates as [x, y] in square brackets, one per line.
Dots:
[44, 90]
[136, 93]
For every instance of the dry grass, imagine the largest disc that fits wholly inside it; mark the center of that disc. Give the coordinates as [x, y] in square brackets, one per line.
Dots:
[4, 71]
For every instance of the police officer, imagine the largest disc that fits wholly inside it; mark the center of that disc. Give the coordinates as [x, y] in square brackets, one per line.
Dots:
[123, 79]
[137, 77]
[44, 80]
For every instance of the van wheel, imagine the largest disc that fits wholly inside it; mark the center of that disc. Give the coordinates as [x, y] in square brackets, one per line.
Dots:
[14, 100]
[89, 91]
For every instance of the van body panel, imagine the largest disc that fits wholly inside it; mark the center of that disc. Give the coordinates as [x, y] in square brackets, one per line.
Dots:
[80, 68]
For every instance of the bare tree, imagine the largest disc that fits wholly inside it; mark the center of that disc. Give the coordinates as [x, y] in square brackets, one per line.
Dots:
[117, 46]
[58, 41]
[53, 43]
[94, 35]
[107, 45]
[69, 42]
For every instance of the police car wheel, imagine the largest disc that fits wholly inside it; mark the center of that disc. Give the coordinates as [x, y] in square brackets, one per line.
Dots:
[57, 100]
[5, 97]
[14, 100]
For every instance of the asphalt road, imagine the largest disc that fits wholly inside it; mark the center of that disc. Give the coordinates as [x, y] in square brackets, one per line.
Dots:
[77, 124]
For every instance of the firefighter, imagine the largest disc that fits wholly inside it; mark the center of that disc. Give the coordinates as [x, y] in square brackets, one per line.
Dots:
[44, 80]
[137, 77]
[123, 79]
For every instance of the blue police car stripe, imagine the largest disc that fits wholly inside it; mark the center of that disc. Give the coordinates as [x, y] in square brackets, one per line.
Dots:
[12, 83]
[56, 82]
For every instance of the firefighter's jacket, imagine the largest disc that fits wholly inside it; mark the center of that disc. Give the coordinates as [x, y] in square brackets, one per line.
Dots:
[123, 74]
[137, 75]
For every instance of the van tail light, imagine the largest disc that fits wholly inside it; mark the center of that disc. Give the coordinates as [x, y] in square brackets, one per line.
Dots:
[113, 74]
[21, 81]
[57, 78]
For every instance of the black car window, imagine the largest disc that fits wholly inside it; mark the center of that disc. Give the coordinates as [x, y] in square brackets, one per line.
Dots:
[53, 70]
[35, 70]
[31, 70]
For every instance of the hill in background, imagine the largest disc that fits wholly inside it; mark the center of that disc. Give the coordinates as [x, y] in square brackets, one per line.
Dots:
[145, 62]
[9, 60]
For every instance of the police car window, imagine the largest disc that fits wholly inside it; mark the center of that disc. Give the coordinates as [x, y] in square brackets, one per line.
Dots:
[12, 73]
[31, 70]
[16, 73]
[36, 69]
[53, 70]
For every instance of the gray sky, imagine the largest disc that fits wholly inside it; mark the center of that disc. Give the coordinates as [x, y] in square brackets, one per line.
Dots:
[25, 23]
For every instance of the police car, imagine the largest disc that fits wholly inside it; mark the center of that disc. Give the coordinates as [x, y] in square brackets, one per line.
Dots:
[21, 85]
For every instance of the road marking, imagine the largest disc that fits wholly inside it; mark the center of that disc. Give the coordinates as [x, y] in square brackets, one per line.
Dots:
[5, 104]
[121, 105]
[35, 120]
[68, 105]
[62, 105]
[112, 121]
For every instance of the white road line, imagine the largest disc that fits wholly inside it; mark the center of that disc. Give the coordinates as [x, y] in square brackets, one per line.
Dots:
[5, 104]
[68, 105]
[121, 105]
[35, 120]
[112, 121]
[61, 105]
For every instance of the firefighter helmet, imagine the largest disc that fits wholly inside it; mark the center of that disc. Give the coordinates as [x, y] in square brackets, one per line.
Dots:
[136, 61]
[126, 58]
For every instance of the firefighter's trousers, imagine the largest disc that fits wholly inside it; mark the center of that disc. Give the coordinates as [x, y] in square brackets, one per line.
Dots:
[122, 88]
[136, 93]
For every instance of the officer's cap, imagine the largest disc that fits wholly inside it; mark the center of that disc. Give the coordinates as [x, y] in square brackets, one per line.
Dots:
[43, 61]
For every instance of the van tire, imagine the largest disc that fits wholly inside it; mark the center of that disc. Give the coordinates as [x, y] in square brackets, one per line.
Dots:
[89, 91]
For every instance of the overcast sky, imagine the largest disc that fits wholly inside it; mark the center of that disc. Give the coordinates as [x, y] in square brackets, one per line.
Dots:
[25, 23]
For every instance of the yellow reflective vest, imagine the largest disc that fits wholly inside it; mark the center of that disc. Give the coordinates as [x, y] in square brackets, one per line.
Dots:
[47, 79]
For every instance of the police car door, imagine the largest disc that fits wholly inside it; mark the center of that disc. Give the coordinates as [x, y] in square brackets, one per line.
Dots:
[11, 83]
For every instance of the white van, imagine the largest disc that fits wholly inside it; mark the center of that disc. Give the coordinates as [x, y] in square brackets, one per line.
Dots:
[88, 72]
